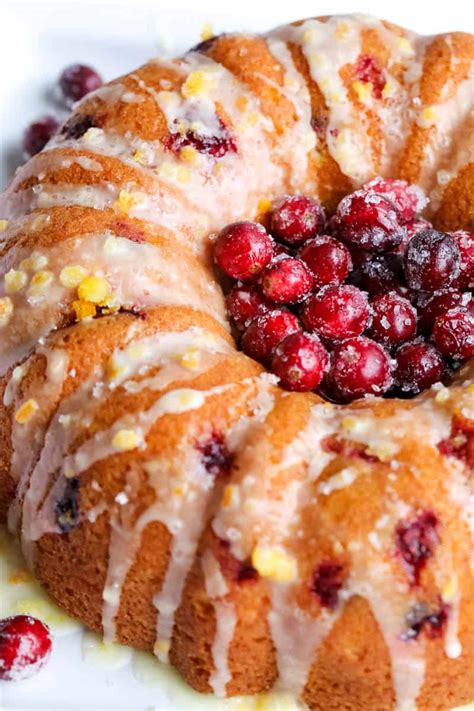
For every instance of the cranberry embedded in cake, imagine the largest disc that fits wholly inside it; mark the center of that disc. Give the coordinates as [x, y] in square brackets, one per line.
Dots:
[327, 582]
[416, 540]
[25, 646]
[216, 457]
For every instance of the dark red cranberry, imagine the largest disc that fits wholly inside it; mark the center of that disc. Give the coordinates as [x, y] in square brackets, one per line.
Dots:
[432, 261]
[418, 224]
[379, 274]
[369, 70]
[286, 280]
[25, 646]
[407, 199]
[393, 319]
[327, 582]
[359, 367]
[300, 361]
[244, 303]
[78, 125]
[237, 571]
[296, 219]
[266, 332]
[415, 541]
[465, 243]
[67, 508]
[243, 249]
[420, 619]
[206, 45]
[418, 366]
[281, 250]
[453, 333]
[216, 146]
[78, 80]
[38, 134]
[347, 449]
[440, 302]
[216, 458]
[336, 312]
[369, 221]
[329, 260]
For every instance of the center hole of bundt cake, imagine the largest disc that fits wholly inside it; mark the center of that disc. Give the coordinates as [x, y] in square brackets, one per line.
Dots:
[370, 301]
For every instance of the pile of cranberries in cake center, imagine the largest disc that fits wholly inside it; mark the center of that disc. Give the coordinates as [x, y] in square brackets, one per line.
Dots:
[373, 301]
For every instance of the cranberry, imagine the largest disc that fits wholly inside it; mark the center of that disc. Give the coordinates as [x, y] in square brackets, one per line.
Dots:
[393, 319]
[327, 581]
[38, 134]
[368, 221]
[460, 443]
[418, 366]
[336, 312]
[407, 199]
[300, 361]
[359, 367]
[244, 303]
[242, 249]
[416, 540]
[329, 260]
[453, 333]
[281, 250]
[465, 243]
[419, 224]
[238, 571]
[368, 69]
[421, 619]
[432, 261]
[66, 509]
[25, 646]
[78, 125]
[266, 332]
[78, 80]
[296, 219]
[286, 280]
[440, 302]
[216, 146]
[380, 274]
[216, 458]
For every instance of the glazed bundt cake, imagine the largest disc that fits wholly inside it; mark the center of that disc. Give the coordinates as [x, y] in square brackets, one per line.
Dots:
[167, 491]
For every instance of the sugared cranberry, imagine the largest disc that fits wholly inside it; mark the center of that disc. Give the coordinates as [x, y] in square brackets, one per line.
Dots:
[327, 581]
[266, 332]
[407, 199]
[418, 366]
[244, 303]
[242, 249]
[296, 219]
[465, 243]
[329, 260]
[216, 145]
[379, 274]
[216, 457]
[336, 312]
[78, 80]
[393, 319]
[286, 280]
[453, 333]
[432, 261]
[440, 302]
[25, 646]
[369, 221]
[38, 134]
[300, 361]
[368, 70]
[418, 224]
[280, 249]
[420, 619]
[415, 541]
[359, 367]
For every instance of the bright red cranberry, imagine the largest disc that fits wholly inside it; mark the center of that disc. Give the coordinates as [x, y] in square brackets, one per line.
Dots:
[336, 312]
[216, 146]
[407, 199]
[296, 219]
[243, 249]
[286, 280]
[416, 540]
[216, 457]
[368, 69]
[359, 367]
[38, 134]
[25, 646]
[440, 302]
[244, 303]
[418, 366]
[329, 260]
[78, 80]
[393, 319]
[266, 332]
[453, 333]
[465, 243]
[432, 261]
[369, 221]
[327, 581]
[281, 250]
[420, 619]
[300, 361]
[379, 274]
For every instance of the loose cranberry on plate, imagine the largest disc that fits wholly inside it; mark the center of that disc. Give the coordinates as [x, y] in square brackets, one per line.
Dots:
[244, 303]
[368, 221]
[25, 646]
[266, 332]
[38, 133]
[78, 80]
[329, 260]
[336, 312]
[300, 361]
[359, 367]
[432, 261]
[418, 366]
[393, 319]
[243, 249]
[286, 280]
[453, 333]
[297, 218]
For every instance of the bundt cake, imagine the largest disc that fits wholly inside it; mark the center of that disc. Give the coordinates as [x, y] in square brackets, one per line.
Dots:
[166, 490]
